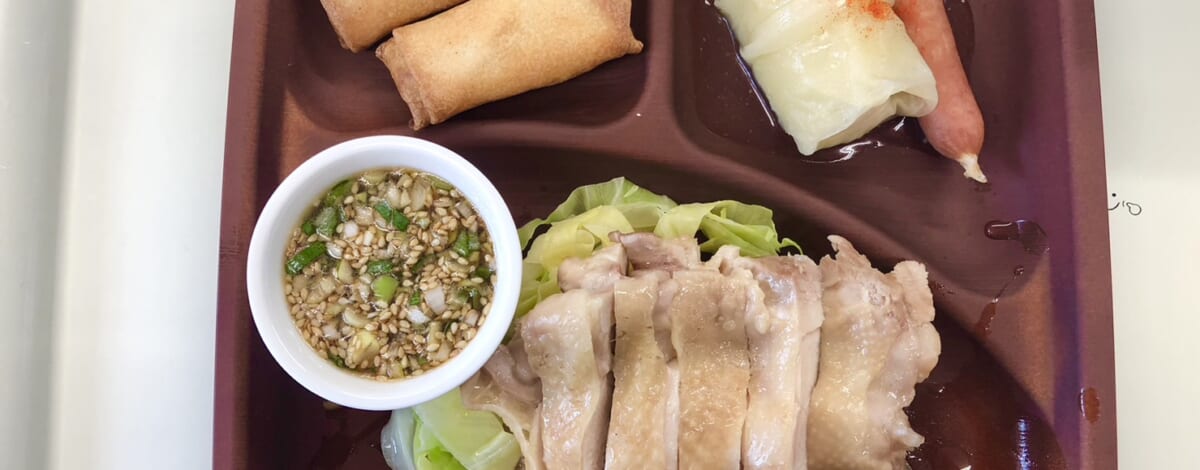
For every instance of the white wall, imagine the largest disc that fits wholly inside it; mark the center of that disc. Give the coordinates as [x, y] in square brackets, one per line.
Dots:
[1148, 71]
[34, 39]
[134, 341]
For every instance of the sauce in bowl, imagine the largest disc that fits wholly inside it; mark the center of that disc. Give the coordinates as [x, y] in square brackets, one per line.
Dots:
[389, 274]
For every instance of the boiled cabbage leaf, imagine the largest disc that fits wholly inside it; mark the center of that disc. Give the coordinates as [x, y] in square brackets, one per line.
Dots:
[448, 436]
[581, 224]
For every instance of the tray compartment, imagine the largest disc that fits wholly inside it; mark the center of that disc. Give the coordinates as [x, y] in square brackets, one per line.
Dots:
[681, 119]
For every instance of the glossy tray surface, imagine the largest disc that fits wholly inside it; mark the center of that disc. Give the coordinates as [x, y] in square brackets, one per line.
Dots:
[1025, 381]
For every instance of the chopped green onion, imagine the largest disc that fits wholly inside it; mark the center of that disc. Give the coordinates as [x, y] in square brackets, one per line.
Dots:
[305, 257]
[415, 299]
[473, 241]
[483, 272]
[308, 228]
[384, 210]
[384, 288]
[378, 267]
[395, 217]
[374, 177]
[337, 360]
[439, 183]
[465, 243]
[326, 221]
[338, 193]
[399, 220]
[461, 244]
[470, 295]
[428, 258]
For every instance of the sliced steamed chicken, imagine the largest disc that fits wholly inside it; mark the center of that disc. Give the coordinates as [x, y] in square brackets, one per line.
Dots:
[647, 251]
[568, 342]
[783, 357]
[655, 259]
[877, 343]
[637, 433]
[832, 70]
[508, 387]
[708, 318]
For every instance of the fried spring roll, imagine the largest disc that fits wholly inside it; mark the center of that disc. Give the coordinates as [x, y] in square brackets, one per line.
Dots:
[362, 23]
[487, 50]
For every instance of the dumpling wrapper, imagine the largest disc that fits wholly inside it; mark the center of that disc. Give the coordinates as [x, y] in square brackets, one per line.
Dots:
[360, 24]
[487, 50]
[832, 70]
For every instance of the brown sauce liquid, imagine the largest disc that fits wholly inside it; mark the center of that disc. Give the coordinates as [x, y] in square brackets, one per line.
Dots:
[350, 439]
[983, 326]
[1027, 232]
[1089, 404]
[972, 413]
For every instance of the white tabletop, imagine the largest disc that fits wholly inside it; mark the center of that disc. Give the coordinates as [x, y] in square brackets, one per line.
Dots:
[115, 114]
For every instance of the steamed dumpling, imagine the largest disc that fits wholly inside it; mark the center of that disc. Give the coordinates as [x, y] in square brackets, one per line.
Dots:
[832, 70]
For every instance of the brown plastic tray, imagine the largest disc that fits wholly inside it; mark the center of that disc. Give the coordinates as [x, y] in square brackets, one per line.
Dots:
[1023, 382]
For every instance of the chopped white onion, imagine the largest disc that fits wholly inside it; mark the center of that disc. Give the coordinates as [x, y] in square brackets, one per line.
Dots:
[443, 353]
[374, 177]
[321, 290]
[464, 208]
[420, 192]
[416, 316]
[350, 230]
[436, 299]
[354, 318]
[333, 250]
[299, 283]
[327, 286]
[393, 197]
[363, 215]
[457, 267]
[329, 331]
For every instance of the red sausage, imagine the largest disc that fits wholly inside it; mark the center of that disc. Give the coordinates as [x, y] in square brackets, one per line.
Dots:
[955, 127]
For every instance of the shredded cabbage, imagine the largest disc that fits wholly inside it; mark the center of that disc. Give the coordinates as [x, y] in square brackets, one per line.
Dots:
[581, 224]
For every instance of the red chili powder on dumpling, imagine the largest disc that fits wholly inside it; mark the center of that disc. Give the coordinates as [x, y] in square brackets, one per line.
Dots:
[878, 9]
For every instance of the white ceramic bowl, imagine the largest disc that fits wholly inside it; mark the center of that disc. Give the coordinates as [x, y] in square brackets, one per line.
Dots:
[283, 212]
